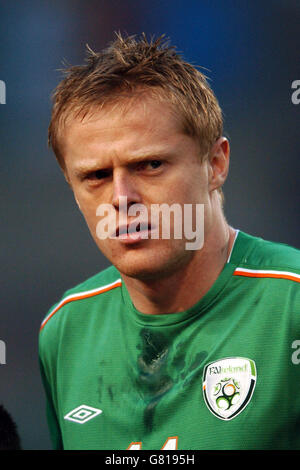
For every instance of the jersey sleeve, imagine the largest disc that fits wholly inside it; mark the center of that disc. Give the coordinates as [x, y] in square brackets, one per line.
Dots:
[53, 425]
[47, 362]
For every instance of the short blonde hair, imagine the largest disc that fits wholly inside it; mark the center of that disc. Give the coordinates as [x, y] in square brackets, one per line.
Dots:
[125, 67]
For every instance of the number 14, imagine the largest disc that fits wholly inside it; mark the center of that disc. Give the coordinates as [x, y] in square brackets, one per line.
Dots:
[170, 444]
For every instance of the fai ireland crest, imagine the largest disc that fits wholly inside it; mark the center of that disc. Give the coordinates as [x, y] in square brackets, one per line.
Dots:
[228, 385]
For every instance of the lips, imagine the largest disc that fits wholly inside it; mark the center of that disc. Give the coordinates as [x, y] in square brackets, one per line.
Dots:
[133, 228]
[133, 233]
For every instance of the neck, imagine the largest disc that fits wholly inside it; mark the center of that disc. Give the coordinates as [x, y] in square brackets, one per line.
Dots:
[187, 285]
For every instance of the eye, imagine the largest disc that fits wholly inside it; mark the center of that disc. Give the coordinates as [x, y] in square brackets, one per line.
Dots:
[100, 174]
[96, 175]
[149, 165]
[155, 164]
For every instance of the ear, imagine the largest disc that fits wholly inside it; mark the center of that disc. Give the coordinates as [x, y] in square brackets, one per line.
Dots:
[219, 163]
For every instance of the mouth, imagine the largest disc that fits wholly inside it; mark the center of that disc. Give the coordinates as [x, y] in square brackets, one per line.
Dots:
[133, 232]
[133, 228]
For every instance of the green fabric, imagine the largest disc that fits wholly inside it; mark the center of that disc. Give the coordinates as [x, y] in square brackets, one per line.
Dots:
[145, 372]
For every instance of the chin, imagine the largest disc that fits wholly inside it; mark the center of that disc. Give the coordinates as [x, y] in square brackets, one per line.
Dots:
[150, 266]
[139, 269]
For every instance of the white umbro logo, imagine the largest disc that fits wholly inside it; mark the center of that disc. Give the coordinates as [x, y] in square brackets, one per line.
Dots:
[82, 414]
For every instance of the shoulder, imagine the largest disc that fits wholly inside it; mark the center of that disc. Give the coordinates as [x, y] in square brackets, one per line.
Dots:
[104, 282]
[270, 273]
[267, 256]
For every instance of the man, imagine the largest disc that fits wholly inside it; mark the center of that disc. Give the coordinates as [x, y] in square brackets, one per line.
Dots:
[171, 347]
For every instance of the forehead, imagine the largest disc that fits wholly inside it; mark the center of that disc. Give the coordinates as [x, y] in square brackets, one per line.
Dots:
[134, 121]
[136, 108]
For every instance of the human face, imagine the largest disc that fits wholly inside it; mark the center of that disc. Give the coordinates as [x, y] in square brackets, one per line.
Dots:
[140, 154]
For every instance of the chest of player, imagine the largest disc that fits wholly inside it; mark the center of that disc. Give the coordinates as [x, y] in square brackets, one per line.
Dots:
[204, 386]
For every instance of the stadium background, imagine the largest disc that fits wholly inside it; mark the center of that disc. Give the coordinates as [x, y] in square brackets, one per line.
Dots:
[251, 50]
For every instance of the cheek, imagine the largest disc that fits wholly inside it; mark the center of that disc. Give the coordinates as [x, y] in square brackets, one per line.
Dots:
[88, 206]
[193, 192]
[89, 213]
[191, 186]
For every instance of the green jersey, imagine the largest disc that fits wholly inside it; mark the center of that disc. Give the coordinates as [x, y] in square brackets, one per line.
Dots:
[223, 374]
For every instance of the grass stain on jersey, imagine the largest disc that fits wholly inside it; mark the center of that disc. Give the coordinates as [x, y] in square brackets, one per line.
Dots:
[161, 365]
[102, 387]
[153, 379]
[110, 392]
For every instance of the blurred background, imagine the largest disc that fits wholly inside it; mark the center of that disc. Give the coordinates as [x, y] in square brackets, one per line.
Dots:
[251, 51]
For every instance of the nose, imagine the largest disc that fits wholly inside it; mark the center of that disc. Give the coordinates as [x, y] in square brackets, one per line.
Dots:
[125, 190]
